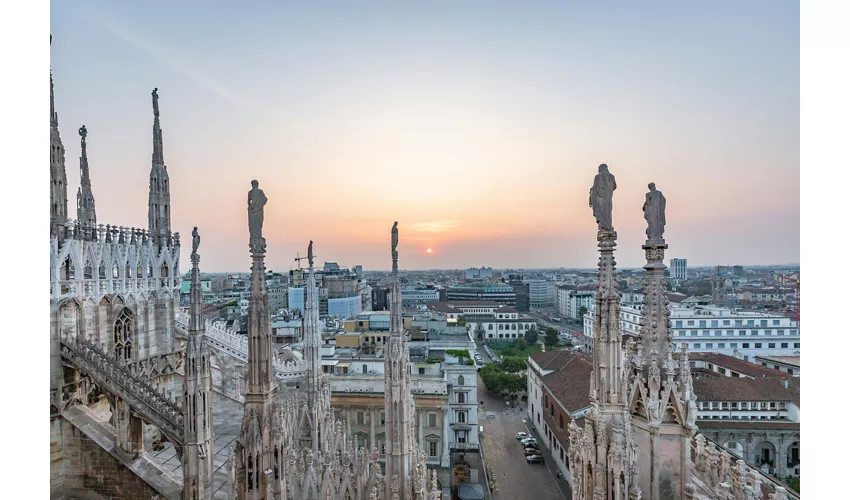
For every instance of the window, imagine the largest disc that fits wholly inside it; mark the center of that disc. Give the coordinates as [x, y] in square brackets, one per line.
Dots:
[751, 323]
[501, 326]
[768, 333]
[763, 323]
[489, 326]
[721, 345]
[791, 371]
[461, 416]
[561, 421]
[725, 322]
[793, 332]
[722, 371]
[758, 345]
[796, 345]
[717, 333]
[709, 345]
[754, 332]
[714, 323]
[383, 418]
[733, 345]
[360, 418]
[460, 380]
[432, 420]
[461, 436]
[690, 323]
[780, 332]
[678, 324]
[738, 323]
[697, 345]
[746, 345]
[775, 322]
[422, 371]
[702, 323]
[461, 397]
[432, 449]
[771, 345]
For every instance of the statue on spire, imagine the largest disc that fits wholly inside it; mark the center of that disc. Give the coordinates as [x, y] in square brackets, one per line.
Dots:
[155, 98]
[601, 198]
[196, 240]
[83, 134]
[310, 253]
[653, 212]
[395, 246]
[256, 201]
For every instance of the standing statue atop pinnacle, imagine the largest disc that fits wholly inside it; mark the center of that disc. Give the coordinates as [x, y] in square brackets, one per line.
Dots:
[196, 241]
[256, 201]
[601, 198]
[155, 98]
[653, 212]
[310, 253]
[395, 246]
[83, 133]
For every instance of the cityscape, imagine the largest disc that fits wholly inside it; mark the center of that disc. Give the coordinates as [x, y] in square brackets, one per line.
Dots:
[338, 366]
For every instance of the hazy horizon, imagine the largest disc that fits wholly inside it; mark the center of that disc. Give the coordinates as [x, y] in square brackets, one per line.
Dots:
[479, 127]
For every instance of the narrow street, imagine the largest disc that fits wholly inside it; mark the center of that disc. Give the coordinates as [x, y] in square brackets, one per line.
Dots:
[503, 454]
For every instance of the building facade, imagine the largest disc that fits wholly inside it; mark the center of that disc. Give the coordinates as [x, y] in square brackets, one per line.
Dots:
[497, 292]
[679, 269]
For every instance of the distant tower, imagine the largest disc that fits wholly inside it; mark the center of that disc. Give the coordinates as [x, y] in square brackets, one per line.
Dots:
[197, 400]
[159, 199]
[259, 448]
[718, 287]
[85, 199]
[398, 402]
[58, 178]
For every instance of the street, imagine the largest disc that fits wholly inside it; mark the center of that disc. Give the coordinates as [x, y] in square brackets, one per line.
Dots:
[514, 478]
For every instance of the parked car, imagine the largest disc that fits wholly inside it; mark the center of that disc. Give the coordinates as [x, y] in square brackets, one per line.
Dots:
[522, 435]
[534, 459]
[531, 451]
[529, 441]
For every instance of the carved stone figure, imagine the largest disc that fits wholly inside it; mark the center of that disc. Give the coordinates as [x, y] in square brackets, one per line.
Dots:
[155, 98]
[601, 198]
[196, 240]
[310, 253]
[256, 201]
[395, 243]
[83, 133]
[653, 212]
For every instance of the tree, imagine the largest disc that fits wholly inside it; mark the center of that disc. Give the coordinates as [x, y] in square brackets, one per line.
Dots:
[521, 344]
[551, 338]
[531, 336]
[581, 312]
[513, 364]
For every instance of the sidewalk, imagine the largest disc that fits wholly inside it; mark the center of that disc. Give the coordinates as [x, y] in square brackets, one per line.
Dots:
[550, 461]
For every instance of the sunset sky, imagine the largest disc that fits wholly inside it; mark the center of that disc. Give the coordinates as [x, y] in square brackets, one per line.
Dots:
[477, 125]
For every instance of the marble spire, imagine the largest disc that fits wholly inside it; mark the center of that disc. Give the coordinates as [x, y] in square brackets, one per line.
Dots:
[197, 455]
[85, 198]
[260, 444]
[606, 441]
[159, 197]
[398, 402]
[58, 176]
[312, 353]
[661, 398]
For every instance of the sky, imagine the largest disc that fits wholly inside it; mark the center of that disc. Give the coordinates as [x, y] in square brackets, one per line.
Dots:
[477, 125]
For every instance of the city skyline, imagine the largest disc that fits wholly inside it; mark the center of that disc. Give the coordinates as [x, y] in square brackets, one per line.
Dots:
[479, 130]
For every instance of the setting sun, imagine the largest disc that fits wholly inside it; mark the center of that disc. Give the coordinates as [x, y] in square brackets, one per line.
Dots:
[429, 250]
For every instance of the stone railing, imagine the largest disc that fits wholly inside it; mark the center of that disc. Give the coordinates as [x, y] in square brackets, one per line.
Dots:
[374, 384]
[729, 477]
[75, 230]
[236, 345]
[152, 406]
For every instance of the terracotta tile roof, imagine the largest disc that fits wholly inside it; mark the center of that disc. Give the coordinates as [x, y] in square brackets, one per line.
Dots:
[788, 360]
[570, 380]
[721, 388]
[473, 303]
[738, 365]
[507, 309]
[442, 307]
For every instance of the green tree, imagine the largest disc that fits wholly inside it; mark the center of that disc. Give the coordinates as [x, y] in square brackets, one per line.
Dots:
[513, 364]
[521, 344]
[581, 312]
[531, 336]
[551, 338]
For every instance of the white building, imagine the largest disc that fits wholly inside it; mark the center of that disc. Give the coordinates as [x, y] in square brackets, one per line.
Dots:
[579, 299]
[414, 296]
[295, 297]
[564, 300]
[679, 269]
[477, 273]
[345, 307]
[717, 329]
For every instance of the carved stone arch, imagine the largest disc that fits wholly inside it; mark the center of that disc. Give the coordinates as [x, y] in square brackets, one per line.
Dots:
[124, 335]
[89, 319]
[673, 411]
[637, 405]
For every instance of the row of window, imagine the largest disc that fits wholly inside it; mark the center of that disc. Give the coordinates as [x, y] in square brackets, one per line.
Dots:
[734, 345]
[746, 405]
[745, 417]
[731, 333]
[738, 323]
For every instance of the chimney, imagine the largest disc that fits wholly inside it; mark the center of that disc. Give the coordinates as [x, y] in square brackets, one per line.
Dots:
[785, 382]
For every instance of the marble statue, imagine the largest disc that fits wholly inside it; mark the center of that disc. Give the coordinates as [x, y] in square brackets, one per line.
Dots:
[256, 201]
[196, 240]
[310, 253]
[83, 133]
[601, 198]
[653, 212]
[395, 243]
[155, 98]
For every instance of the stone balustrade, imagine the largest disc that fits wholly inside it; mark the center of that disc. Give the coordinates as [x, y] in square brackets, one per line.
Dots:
[154, 407]
[729, 477]
[236, 345]
[75, 230]
[374, 384]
